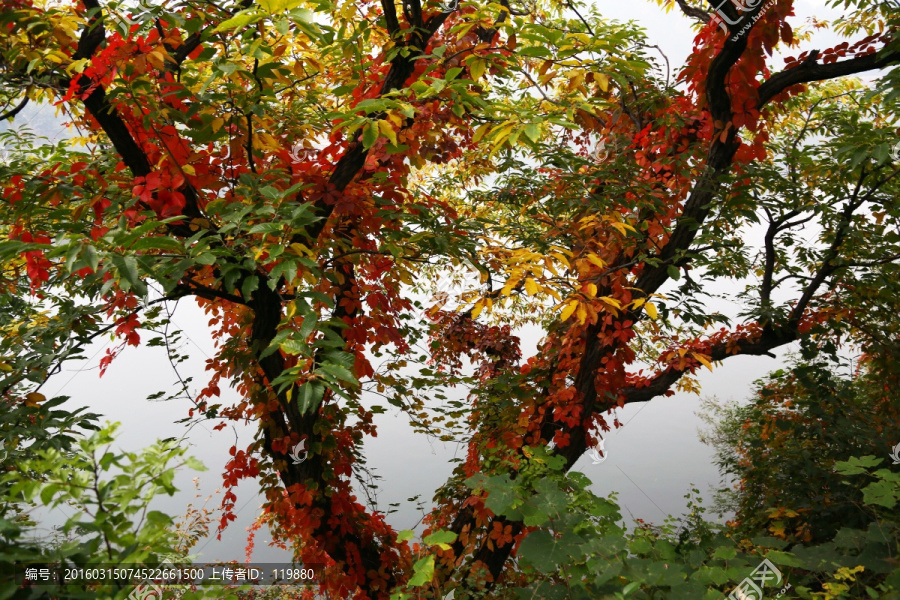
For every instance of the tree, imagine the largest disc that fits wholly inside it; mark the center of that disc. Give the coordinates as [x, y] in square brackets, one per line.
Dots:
[296, 166]
[782, 449]
[111, 522]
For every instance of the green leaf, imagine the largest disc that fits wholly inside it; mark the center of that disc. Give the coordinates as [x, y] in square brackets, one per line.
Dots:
[370, 135]
[883, 493]
[452, 73]
[268, 227]
[534, 51]
[545, 552]
[48, 493]
[157, 243]
[500, 489]
[309, 395]
[207, 258]
[856, 465]
[442, 539]
[423, 572]
[238, 21]
[274, 7]
[640, 545]
[339, 372]
[630, 588]
[295, 346]
[725, 552]
[128, 270]
[195, 464]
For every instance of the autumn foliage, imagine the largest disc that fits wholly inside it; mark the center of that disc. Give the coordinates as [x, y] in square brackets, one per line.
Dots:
[302, 168]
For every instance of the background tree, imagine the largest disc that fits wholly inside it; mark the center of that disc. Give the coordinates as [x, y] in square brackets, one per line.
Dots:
[293, 165]
[782, 449]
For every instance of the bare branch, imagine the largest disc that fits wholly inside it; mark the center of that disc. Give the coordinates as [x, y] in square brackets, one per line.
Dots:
[768, 341]
[810, 70]
[14, 111]
[693, 12]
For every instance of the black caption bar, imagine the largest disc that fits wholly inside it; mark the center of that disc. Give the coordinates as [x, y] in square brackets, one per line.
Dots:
[34, 574]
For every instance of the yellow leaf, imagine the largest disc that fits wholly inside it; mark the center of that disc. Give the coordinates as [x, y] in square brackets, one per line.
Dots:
[188, 169]
[384, 126]
[278, 6]
[197, 224]
[267, 141]
[561, 258]
[530, 286]
[602, 80]
[502, 134]
[583, 38]
[581, 313]
[622, 227]
[702, 360]
[56, 56]
[479, 133]
[650, 308]
[78, 66]
[5, 367]
[156, 58]
[568, 310]
[476, 68]
[34, 399]
[301, 250]
[396, 119]
[592, 290]
[611, 301]
[596, 260]
[476, 310]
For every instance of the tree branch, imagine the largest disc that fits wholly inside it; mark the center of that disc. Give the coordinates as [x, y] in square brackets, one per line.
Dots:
[390, 17]
[768, 341]
[693, 12]
[811, 70]
[14, 111]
